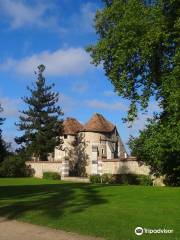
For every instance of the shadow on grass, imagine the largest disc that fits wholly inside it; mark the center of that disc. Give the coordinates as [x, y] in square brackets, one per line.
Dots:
[52, 200]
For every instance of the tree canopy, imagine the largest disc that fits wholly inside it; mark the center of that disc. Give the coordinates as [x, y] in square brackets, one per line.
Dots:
[41, 123]
[138, 45]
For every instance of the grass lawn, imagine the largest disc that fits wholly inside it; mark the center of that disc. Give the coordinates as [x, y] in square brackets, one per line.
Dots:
[111, 212]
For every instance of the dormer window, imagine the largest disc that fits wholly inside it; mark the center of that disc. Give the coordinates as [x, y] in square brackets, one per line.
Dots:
[65, 136]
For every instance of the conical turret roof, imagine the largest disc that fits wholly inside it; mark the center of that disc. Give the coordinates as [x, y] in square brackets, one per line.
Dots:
[72, 126]
[98, 124]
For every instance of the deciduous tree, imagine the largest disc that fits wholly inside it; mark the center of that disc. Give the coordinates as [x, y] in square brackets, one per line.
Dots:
[138, 46]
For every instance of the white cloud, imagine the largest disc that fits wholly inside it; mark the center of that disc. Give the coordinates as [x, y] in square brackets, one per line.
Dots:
[114, 106]
[10, 107]
[60, 62]
[46, 14]
[20, 14]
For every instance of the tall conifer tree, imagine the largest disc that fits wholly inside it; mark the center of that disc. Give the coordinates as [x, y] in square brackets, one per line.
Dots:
[41, 123]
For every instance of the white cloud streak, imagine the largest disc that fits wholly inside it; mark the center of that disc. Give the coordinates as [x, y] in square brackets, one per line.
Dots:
[60, 62]
[21, 14]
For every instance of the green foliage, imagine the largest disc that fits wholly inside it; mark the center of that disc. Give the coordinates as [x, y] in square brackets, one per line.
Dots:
[138, 45]
[40, 123]
[133, 179]
[51, 175]
[3, 145]
[144, 180]
[3, 149]
[125, 179]
[14, 166]
[158, 146]
[108, 178]
[96, 178]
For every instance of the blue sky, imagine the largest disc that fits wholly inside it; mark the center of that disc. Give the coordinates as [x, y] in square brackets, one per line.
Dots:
[55, 33]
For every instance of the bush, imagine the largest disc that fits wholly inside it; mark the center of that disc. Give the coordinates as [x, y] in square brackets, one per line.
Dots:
[51, 175]
[144, 180]
[127, 179]
[133, 179]
[96, 178]
[108, 178]
[105, 178]
[14, 166]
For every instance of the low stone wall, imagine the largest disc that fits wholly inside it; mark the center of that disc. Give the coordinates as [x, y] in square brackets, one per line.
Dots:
[40, 167]
[104, 166]
[124, 167]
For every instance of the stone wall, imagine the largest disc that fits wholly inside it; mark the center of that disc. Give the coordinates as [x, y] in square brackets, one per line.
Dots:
[104, 166]
[40, 167]
[124, 167]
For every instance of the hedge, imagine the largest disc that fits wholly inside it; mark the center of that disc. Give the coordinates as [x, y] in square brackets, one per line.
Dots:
[129, 179]
[51, 175]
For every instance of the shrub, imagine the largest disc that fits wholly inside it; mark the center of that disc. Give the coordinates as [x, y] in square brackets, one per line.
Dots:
[105, 178]
[133, 179]
[96, 178]
[127, 179]
[144, 180]
[51, 175]
[14, 166]
[130, 179]
[108, 178]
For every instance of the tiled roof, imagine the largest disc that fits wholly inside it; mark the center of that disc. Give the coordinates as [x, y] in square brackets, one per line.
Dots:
[98, 124]
[72, 126]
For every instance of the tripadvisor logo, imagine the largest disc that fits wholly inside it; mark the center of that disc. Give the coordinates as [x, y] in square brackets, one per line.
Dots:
[139, 231]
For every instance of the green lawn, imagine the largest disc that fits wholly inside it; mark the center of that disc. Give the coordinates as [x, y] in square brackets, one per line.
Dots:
[111, 212]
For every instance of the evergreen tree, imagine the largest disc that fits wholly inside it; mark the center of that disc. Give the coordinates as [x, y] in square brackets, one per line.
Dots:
[41, 123]
[3, 145]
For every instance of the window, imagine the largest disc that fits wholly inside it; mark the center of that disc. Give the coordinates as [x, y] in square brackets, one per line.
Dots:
[102, 151]
[65, 136]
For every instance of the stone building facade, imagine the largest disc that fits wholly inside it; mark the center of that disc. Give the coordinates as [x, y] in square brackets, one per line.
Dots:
[97, 140]
[93, 148]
